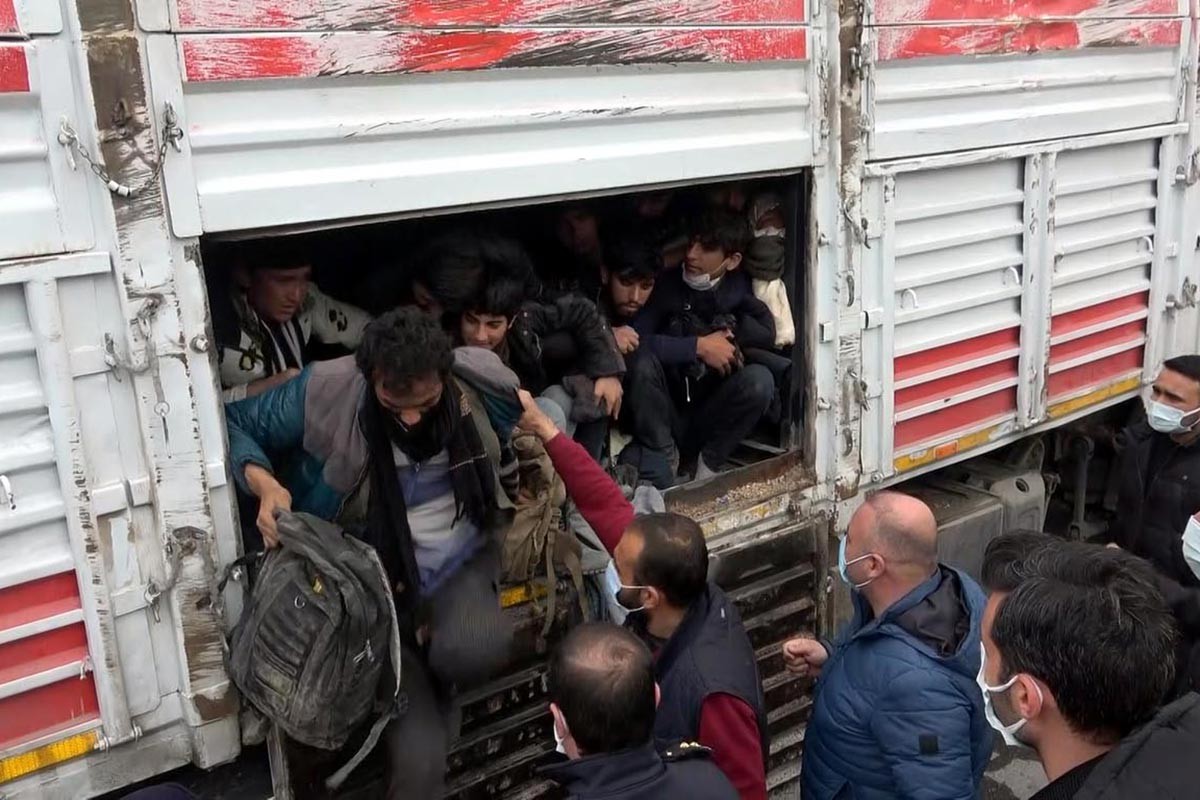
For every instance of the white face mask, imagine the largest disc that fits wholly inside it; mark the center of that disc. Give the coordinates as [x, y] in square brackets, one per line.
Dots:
[1167, 419]
[1007, 732]
[1191, 545]
[702, 282]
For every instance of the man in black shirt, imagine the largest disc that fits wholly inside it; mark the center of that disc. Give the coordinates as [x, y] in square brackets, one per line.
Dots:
[1077, 658]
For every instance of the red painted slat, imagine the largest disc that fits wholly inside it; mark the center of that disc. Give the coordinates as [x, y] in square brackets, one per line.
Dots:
[47, 710]
[8, 17]
[14, 71]
[1094, 315]
[316, 15]
[948, 355]
[1129, 332]
[1095, 373]
[38, 599]
[960, 418]
[34, 654]
[899, 12]
[947, 387]
[229, 58]
[922, 41]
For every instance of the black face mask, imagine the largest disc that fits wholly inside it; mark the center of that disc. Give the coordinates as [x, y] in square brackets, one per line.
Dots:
[425, 439]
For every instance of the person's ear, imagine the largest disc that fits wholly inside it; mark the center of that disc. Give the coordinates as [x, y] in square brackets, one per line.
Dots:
[1028, 698]
[654, 598]
[657, 695]
[735, 261]
[560, 722]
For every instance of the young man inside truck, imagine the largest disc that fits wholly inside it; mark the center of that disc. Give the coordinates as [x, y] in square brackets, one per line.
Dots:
[266, 324]
[699, 323]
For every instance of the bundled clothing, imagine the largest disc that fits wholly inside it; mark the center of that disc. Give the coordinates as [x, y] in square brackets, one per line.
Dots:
[1159, 491]
[897, 711]
[250, 348]
[641, 773]
[1155, 762]
[764, 261]
[711, 692]
[550, 340]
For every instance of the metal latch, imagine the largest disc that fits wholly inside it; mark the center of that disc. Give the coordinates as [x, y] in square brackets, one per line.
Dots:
[1186, 299]
[172, 134]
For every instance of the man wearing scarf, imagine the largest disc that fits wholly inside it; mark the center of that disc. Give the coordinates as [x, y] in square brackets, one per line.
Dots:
[405, 444]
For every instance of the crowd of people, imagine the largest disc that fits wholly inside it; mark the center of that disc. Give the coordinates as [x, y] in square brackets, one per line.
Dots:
[662, 331]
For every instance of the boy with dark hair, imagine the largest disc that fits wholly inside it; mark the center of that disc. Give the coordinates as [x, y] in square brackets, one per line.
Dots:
[698, 323]
[273, 314]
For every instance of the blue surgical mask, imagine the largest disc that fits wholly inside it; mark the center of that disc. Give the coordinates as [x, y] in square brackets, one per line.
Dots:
[843, 564]
[1007, 732]
[1191, 545]
[1167, 419]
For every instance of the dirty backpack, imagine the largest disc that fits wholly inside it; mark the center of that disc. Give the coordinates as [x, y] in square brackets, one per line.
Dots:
[313, 643]
[538, 544]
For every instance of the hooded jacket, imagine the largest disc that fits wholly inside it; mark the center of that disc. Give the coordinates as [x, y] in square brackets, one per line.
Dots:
[1155, 762]
[640, 773]
[897, 712]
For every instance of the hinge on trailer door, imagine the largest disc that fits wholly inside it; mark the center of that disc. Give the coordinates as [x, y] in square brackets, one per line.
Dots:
[1189, 174]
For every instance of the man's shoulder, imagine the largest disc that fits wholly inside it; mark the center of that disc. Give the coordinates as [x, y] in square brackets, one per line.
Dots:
[690, 768]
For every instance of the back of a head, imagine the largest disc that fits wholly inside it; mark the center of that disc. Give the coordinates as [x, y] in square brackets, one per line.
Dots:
[602, 679]
[1005, 558]
[904, 531]
[674, 557]
[457, 266]
[719, 228]
[1188, 366]
[1089, 622]
[631, 257]
[404, 345]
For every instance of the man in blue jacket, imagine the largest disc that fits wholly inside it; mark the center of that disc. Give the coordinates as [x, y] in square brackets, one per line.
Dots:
[898, 713]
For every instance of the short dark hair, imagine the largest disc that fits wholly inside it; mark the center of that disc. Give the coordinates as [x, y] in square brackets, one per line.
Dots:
[1185, 365]
[632, 257]
[674, 557]
[602, 678]
[273, 253]
[404, 345]
[1004, 560]
[458, 266]
[502, 296]
[720, 229]
[1089, 622]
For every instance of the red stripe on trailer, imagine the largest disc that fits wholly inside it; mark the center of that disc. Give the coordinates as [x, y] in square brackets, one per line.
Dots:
[1101, 340]
[14, 71]
[962, 417]
[922, 41]
[1095, 373]
[901, 12]
[8, 17]
[1101, 312]
[232, 15]
[251, 57]
[43, 651]
[951, 385]
[47, 710]
[46, 597]
[937, 358]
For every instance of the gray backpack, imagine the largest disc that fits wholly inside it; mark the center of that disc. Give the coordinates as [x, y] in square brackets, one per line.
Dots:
[313, 642]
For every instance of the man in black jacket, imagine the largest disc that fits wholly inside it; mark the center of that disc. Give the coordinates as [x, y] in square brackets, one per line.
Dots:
[1077, 646]
[699, 323]
[603, 698]
[1160, 493]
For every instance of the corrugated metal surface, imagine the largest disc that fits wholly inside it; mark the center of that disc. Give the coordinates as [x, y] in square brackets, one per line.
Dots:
[43, 204]
[309, 121]
[946, 76]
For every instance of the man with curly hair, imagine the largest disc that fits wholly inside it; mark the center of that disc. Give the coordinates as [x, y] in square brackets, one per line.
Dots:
[404, 444]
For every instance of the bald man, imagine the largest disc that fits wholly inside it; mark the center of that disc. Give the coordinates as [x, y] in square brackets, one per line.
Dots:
[898, 712]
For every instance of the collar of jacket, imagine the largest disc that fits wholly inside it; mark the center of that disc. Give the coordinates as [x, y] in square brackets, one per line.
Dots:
[608, 774]
[862, 609]
[689, 628]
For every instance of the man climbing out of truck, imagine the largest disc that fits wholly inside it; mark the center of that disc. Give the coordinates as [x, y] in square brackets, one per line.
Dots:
[1159, 501]
[562, 351]
[699, 322]
[406, 445]
[703, 660]
[271, 317]
[603, 698]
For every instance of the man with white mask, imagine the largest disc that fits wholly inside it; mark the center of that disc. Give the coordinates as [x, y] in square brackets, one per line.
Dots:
[602, 700]
[1077, 658]
[1159, 498]
[897, 713]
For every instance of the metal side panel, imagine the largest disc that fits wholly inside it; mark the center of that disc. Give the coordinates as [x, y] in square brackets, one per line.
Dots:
[947, 76]
[29, 17]
[291, 118]
[43, 203]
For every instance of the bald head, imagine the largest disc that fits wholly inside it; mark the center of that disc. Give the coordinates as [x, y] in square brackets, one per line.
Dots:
[901, 529]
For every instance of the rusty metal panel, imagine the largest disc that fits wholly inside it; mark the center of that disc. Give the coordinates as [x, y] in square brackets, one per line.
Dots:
[950, 76]
[43, 202]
